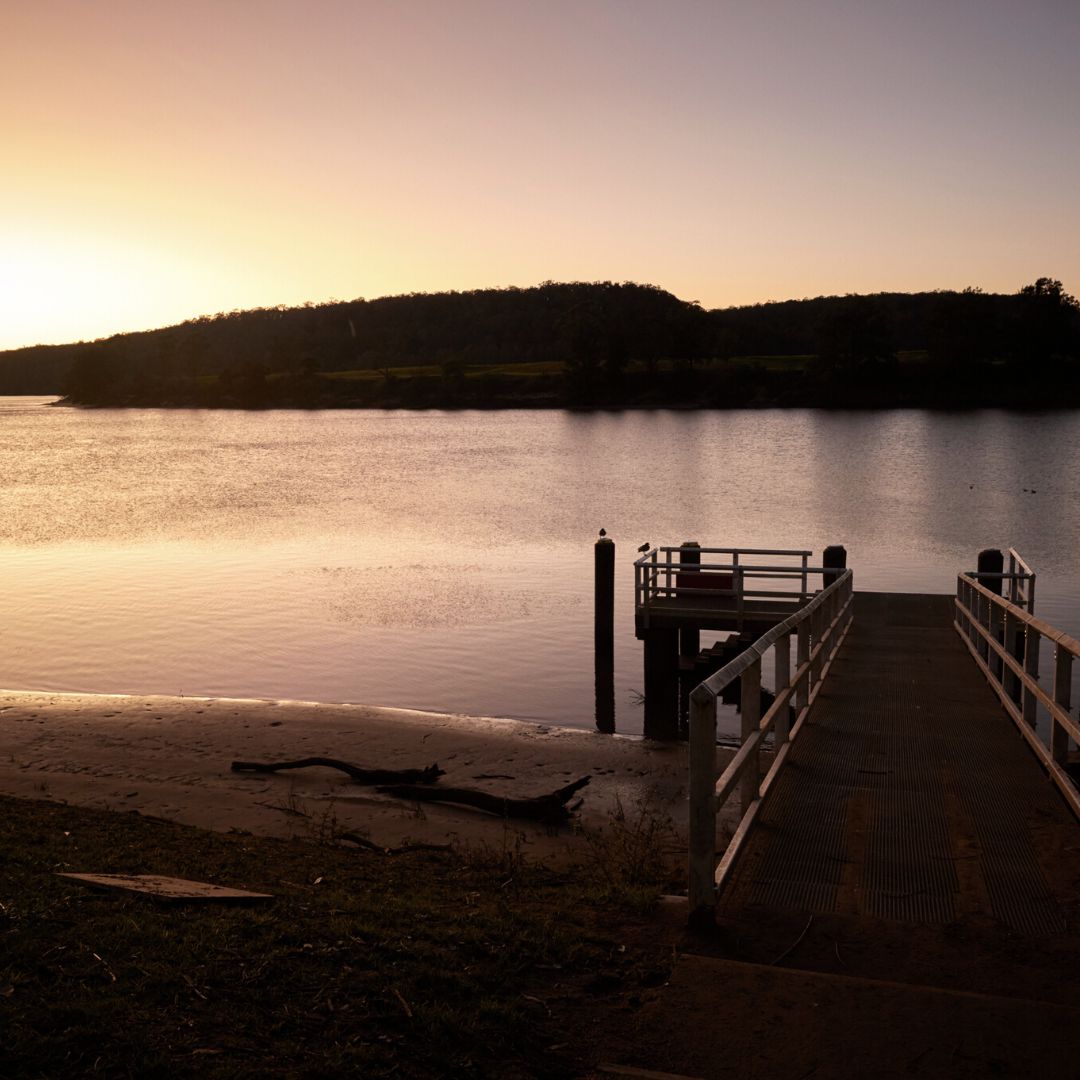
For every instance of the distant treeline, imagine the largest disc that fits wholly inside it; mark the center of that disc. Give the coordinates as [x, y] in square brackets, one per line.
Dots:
[585, 344]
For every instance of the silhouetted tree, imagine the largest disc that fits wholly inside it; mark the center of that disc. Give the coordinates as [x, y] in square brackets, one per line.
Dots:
[962, 330]
[1047, 327]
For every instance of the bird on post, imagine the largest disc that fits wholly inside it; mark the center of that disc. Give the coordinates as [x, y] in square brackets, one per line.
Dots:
[603, 532]
[644, 547]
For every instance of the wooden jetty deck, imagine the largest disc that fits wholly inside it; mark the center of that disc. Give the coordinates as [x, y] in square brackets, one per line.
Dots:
[910, 794]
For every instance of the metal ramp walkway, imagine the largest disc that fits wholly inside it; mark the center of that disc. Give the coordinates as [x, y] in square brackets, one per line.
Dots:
[910, 795]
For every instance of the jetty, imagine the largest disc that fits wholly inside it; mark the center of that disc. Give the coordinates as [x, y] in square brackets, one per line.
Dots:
[901, 894]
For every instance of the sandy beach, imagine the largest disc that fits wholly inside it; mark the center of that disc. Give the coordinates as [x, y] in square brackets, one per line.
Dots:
[170, 757]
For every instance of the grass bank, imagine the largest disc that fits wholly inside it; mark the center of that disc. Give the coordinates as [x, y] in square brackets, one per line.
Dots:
[457, 963]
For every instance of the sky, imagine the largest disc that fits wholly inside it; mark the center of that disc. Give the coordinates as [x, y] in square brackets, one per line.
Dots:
[165, 160]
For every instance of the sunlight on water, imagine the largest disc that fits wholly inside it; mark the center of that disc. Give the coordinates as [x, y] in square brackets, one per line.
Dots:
[443, 560]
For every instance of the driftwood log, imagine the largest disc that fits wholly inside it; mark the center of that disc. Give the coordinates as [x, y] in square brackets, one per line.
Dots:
[547, 808]
[415, 784]
[354, 772]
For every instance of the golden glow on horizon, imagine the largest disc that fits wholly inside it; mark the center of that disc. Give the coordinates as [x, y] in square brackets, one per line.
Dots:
[75, 285]
[165, 162]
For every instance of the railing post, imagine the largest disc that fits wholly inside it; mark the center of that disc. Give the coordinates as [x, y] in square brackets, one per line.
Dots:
[702, 839]
[997, 633]
[984, 621]
[816, 620]
[802, 654]
[827, 615]
[782, 678]
[750, 706]
[1031, 669]
[963, 596]
[1059, 737]
[643, 581]
[1014, 646]
[737, 585]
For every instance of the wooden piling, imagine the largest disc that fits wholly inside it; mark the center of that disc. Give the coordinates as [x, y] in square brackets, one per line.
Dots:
[834, 559]
[991, 561]
[690, 636]
[689, 640]
[604, 633]
[661, 683]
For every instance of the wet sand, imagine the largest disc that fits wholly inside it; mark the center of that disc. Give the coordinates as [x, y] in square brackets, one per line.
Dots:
[170, 757]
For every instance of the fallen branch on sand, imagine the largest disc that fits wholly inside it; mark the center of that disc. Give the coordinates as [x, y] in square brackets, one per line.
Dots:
[355, 773]
[413, 784]
[405, 849]
[549, 808]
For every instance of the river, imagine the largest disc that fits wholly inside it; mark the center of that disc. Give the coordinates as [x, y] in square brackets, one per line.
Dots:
[443, 560]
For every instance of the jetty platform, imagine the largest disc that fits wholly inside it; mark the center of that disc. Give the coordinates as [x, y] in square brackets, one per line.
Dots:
[902, 895]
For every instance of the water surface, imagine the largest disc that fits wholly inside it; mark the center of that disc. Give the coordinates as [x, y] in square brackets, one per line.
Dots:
[443, 560]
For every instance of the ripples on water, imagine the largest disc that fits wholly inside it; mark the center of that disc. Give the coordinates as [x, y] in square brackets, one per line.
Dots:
[443, 560]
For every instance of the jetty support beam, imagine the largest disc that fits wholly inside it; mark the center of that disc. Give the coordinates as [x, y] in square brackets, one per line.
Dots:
[661, 683]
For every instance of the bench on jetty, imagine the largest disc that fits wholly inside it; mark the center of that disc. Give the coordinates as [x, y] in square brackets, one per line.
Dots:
[900, 780]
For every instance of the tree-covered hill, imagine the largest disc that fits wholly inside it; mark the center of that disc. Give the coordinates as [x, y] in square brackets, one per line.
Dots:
[584, 343]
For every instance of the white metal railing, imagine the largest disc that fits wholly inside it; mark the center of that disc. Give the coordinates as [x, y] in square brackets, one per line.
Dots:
[670, 573]
[1005, 642]
[819, 628]
[1017, 583]
[1021, 580]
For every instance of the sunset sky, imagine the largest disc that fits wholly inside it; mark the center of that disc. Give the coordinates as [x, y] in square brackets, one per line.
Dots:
[166, 160]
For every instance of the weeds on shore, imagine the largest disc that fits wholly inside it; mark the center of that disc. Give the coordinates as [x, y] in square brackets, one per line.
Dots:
[467, 963]
[632, 855]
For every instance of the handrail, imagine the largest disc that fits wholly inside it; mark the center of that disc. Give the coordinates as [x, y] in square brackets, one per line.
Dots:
[820, 626]
[656, 575]
[1020, 578]
[748, 568]
[738, 551]
[1022, 583]
[1004, 640]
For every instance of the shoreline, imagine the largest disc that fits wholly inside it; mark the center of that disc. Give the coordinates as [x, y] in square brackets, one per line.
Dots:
[170, 757]
[829, 403]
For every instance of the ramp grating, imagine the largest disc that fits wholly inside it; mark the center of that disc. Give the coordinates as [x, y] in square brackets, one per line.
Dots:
[907, 768]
